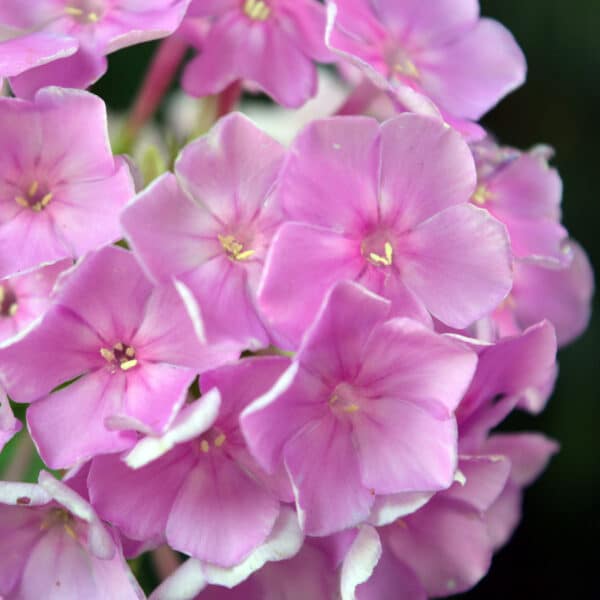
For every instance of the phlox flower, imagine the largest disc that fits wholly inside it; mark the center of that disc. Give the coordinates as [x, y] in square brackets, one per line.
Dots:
[210, 225]
[132, 349]
[386, 206]
[25, 297]
[560, 294]
[53, 545]
[522, 191]
[437, 49]
[365, 410]
[197, 486]
[270, 43]
[61, 189]
[65, 42]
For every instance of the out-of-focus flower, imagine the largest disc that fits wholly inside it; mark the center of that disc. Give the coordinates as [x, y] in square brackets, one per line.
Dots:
[61, 189]
[8, 424]
[65, 42]
[270, 43]
[54, 545]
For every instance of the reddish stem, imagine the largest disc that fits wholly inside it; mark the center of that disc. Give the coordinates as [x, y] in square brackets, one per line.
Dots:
[161, 73]
[228, 98]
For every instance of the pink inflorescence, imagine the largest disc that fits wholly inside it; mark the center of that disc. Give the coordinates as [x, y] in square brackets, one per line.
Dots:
[287, 363]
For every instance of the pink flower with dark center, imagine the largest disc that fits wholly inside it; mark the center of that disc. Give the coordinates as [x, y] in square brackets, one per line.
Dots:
[197, 486]
[23, 298]
[61, 189]
[210, 226]
[386, 206]
[132, 349]
[269, 43]
[365, 410]
[53, 545]
[438, 49]
[65, 42]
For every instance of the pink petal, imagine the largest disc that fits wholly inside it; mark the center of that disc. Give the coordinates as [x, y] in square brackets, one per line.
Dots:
[459, 263]
[322, 462]
[220, 515]
[303, 263]
[426, 167]
[56, 422]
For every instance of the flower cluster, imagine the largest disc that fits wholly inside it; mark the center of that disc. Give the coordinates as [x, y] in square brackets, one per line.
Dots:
[285, 362]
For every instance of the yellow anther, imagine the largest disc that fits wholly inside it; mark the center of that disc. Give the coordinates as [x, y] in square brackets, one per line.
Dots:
[73, 11]
[351, 408]
[130, 352]
[46, 200]
[205, 446]
[119, 346]
[37, 207]
[22, 202]
[93, 17]
[235, 250]
[407, 67]
[482, 194]
[70, 531]
[107, 354]
[383, 260]
[128, 364]
[2, 294]
[12, 309]
[33, 188]
[257, 10]
[220, 440]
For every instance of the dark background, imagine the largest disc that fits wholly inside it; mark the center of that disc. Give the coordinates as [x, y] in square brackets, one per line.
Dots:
[555, 552]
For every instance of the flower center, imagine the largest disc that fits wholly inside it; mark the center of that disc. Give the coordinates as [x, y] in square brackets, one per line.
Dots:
[121, 356]
[378, 250]
[36, 197]
[481, 195]
[234, 249]
[257, 10]
[85, 11]
[60, 516]
[213, 438]
[8, 302]
[345, 400]
[400, 64]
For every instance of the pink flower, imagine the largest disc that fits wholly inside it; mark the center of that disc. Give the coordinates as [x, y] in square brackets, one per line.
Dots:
[61, 189]
[563, 296]
[440, 50]
[132, 349]
[25, 297]
[365, 410]
[386, 206]
[8, 424]
[524, 193]
[211, 225]
[270, 43]
[54, 545]
[197, 486]
[71, 38]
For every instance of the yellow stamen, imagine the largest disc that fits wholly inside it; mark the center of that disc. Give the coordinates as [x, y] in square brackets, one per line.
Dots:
[128, 364]
[2, 294]
[46, 200]
[482, 195]
[107, 354]
[257, 10]
[22, 202]
[130, 352]
[407, 67]
[73, 11]
[220, 440]
[351, 408]
[93, 17]
[12, 309]
[119, 346]
[33, 188]
[383, 260]
[234, 249]
[205, 446]
[70, 531]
